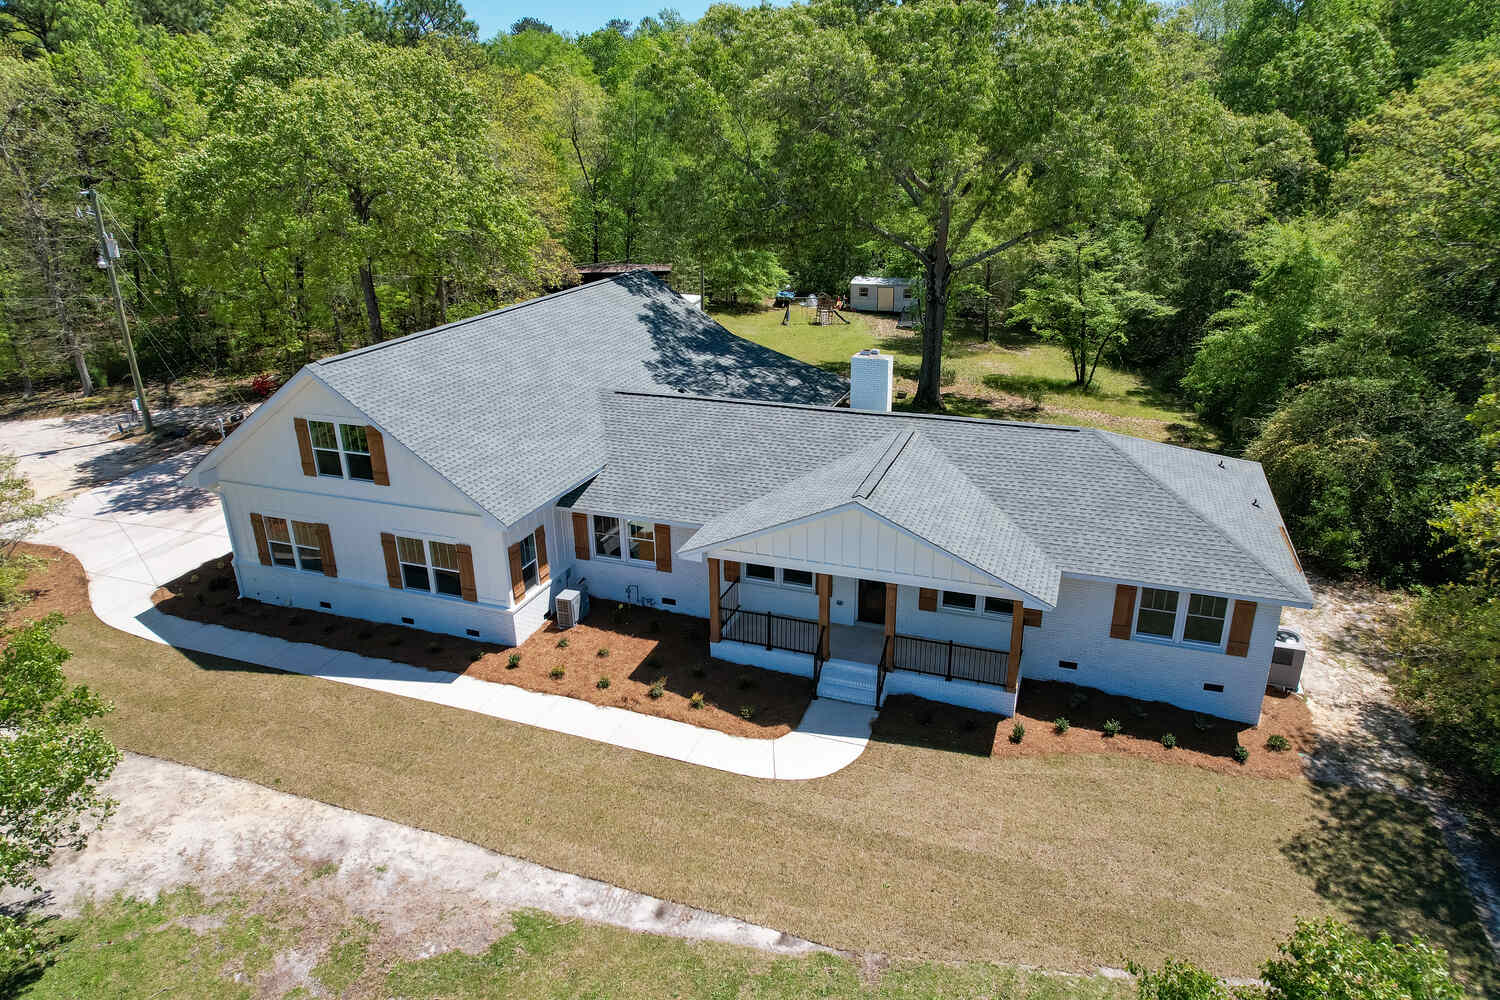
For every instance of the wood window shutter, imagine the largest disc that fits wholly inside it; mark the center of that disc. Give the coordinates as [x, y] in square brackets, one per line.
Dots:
[392, 564]
[1239, 628]
[731, 572]
[1120, 624]
[466, 573]
[580, 535]
[376, 443]
[517, 583]
[663, 539]
[926, 599]
[304, 447]
[325, 551]
[543, 573]
[262, 547]
[1032, 617]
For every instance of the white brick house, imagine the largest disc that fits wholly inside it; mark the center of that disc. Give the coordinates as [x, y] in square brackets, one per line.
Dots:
[612, 436]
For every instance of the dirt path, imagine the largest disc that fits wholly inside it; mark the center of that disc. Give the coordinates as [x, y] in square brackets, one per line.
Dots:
[178, 825]
[1364, 740]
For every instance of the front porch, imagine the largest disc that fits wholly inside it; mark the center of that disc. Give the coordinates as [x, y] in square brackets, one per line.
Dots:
[863, 658]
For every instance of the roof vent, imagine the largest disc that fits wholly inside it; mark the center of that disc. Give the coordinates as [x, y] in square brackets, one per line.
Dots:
[872, 376]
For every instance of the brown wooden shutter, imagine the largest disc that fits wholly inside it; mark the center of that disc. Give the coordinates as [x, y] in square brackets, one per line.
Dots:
[304, 448]
[466, 573]
[325, 551]
[262, 547]
[580, 536]
[517, 582]
[1120, 624]
[663, 539]
[731, 572]
[926, 599]
[392, 564]
[376, 442]
[1239, 628]
[543, 573]
[1032, 617]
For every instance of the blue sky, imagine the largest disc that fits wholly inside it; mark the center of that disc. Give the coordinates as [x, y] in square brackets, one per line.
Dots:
[577, 16]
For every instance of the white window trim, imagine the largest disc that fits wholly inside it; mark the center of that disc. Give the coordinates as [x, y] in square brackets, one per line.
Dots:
[801, 588]
[432, 570]
[536, 561]
[623, 524]
[1180, 622]
[779, 578]
[338, 440]
[978, 610]
[291, 534]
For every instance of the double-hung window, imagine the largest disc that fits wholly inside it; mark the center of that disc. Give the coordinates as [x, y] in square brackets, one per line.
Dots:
[294, 544]
[1158, 614]
[528, 561]
[412, 554]
[429, 566]
[607, 536]
[446, 578]
[1205, 619]
[341, 450]
[642, 541]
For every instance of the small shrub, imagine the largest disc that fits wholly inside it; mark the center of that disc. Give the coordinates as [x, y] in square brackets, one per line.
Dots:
[193, 578]
[747, 711]
[655, 626]
[1241, 753]
[1202, 723]
[1112, 727]
[1278, 743]
[1017, 733]
[603, 652]
[557, 673]
[1168, 740]
[475, 655]
[602, 683]
[658, 688]
[617, 616]
[746, 682]
[513, 661]
[1077, 700]
[1178, 981]
[1138, 710]
[700, 671]
[1061, 725]
[696, 701]
[562, 643]
[433, 647]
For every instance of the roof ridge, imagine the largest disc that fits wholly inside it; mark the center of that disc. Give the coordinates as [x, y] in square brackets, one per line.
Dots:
[904, 414]
[513, 307]
[1108, 436]
[877, 472]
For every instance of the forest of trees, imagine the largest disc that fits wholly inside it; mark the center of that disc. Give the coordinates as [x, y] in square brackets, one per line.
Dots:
[1288, 212]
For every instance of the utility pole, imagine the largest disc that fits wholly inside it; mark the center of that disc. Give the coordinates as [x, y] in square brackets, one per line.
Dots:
[109, 252]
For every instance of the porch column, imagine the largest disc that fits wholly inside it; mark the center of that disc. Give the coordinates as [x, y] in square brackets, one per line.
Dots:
[1013, 658]
[890, 613]
[713, 600]
[825, 592]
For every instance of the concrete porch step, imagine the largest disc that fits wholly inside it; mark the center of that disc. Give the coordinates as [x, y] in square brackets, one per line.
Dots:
[845, 680]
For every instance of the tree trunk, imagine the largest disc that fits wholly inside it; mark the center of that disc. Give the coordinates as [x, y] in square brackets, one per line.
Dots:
[372, 304]
[338, 328]
[987, 301]
[442, 297]
[934, 314]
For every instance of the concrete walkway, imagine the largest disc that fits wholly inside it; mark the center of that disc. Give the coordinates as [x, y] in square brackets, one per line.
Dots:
[147, 528]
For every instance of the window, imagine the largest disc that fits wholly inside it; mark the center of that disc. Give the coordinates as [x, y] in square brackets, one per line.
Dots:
[607, 536]
[956, 601]
[1205, 619]
[412, 554]
[356, 452]
[343, 451]
[325, 448]
[445, 575]
[642, 541]
[864, 292]
[528, 561]
[756, 571]
[296, 547]
[998, 606]
[797, 578]
[906, 293]
[1158, 616]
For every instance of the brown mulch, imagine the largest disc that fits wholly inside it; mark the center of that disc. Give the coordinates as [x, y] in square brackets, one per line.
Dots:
[56, 584]
[1202, 740]
[643, 645]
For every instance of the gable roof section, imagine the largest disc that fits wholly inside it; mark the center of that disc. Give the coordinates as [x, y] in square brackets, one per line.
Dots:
[1089, 501]
[505, 405]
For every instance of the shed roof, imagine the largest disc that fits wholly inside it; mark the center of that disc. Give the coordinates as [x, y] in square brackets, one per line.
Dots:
[897, 282]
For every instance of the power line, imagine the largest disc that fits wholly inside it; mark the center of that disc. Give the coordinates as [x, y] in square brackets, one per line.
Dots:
[109, 252]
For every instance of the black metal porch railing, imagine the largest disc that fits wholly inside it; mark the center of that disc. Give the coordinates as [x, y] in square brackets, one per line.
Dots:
[762, 628]
[949, 660]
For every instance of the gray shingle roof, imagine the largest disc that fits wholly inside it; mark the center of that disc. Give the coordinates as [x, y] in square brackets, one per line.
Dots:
[505, 405]
[1079, 500]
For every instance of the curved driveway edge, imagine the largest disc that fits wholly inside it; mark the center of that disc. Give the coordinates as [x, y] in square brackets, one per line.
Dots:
[148, 528]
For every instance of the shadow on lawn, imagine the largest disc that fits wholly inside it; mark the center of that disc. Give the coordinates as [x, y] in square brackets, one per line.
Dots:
[906, 720]
[1380, 861]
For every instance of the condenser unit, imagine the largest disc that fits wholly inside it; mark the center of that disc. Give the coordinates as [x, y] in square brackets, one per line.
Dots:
[572, 607]
[1286, 661]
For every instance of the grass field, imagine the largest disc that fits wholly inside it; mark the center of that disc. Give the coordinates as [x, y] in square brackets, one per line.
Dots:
[997, 380]
[1063, 862]
[183, 946]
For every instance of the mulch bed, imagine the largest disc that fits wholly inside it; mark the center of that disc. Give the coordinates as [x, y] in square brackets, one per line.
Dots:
[55, 585]
[643, 645]
[1202, 741]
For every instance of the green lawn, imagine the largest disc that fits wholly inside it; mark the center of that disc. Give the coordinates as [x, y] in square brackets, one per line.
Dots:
[913, 852]
[997, 380]
[183, 946]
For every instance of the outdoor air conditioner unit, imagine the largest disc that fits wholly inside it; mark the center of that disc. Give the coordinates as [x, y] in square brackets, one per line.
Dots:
[1286, 661]
[572, 607]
